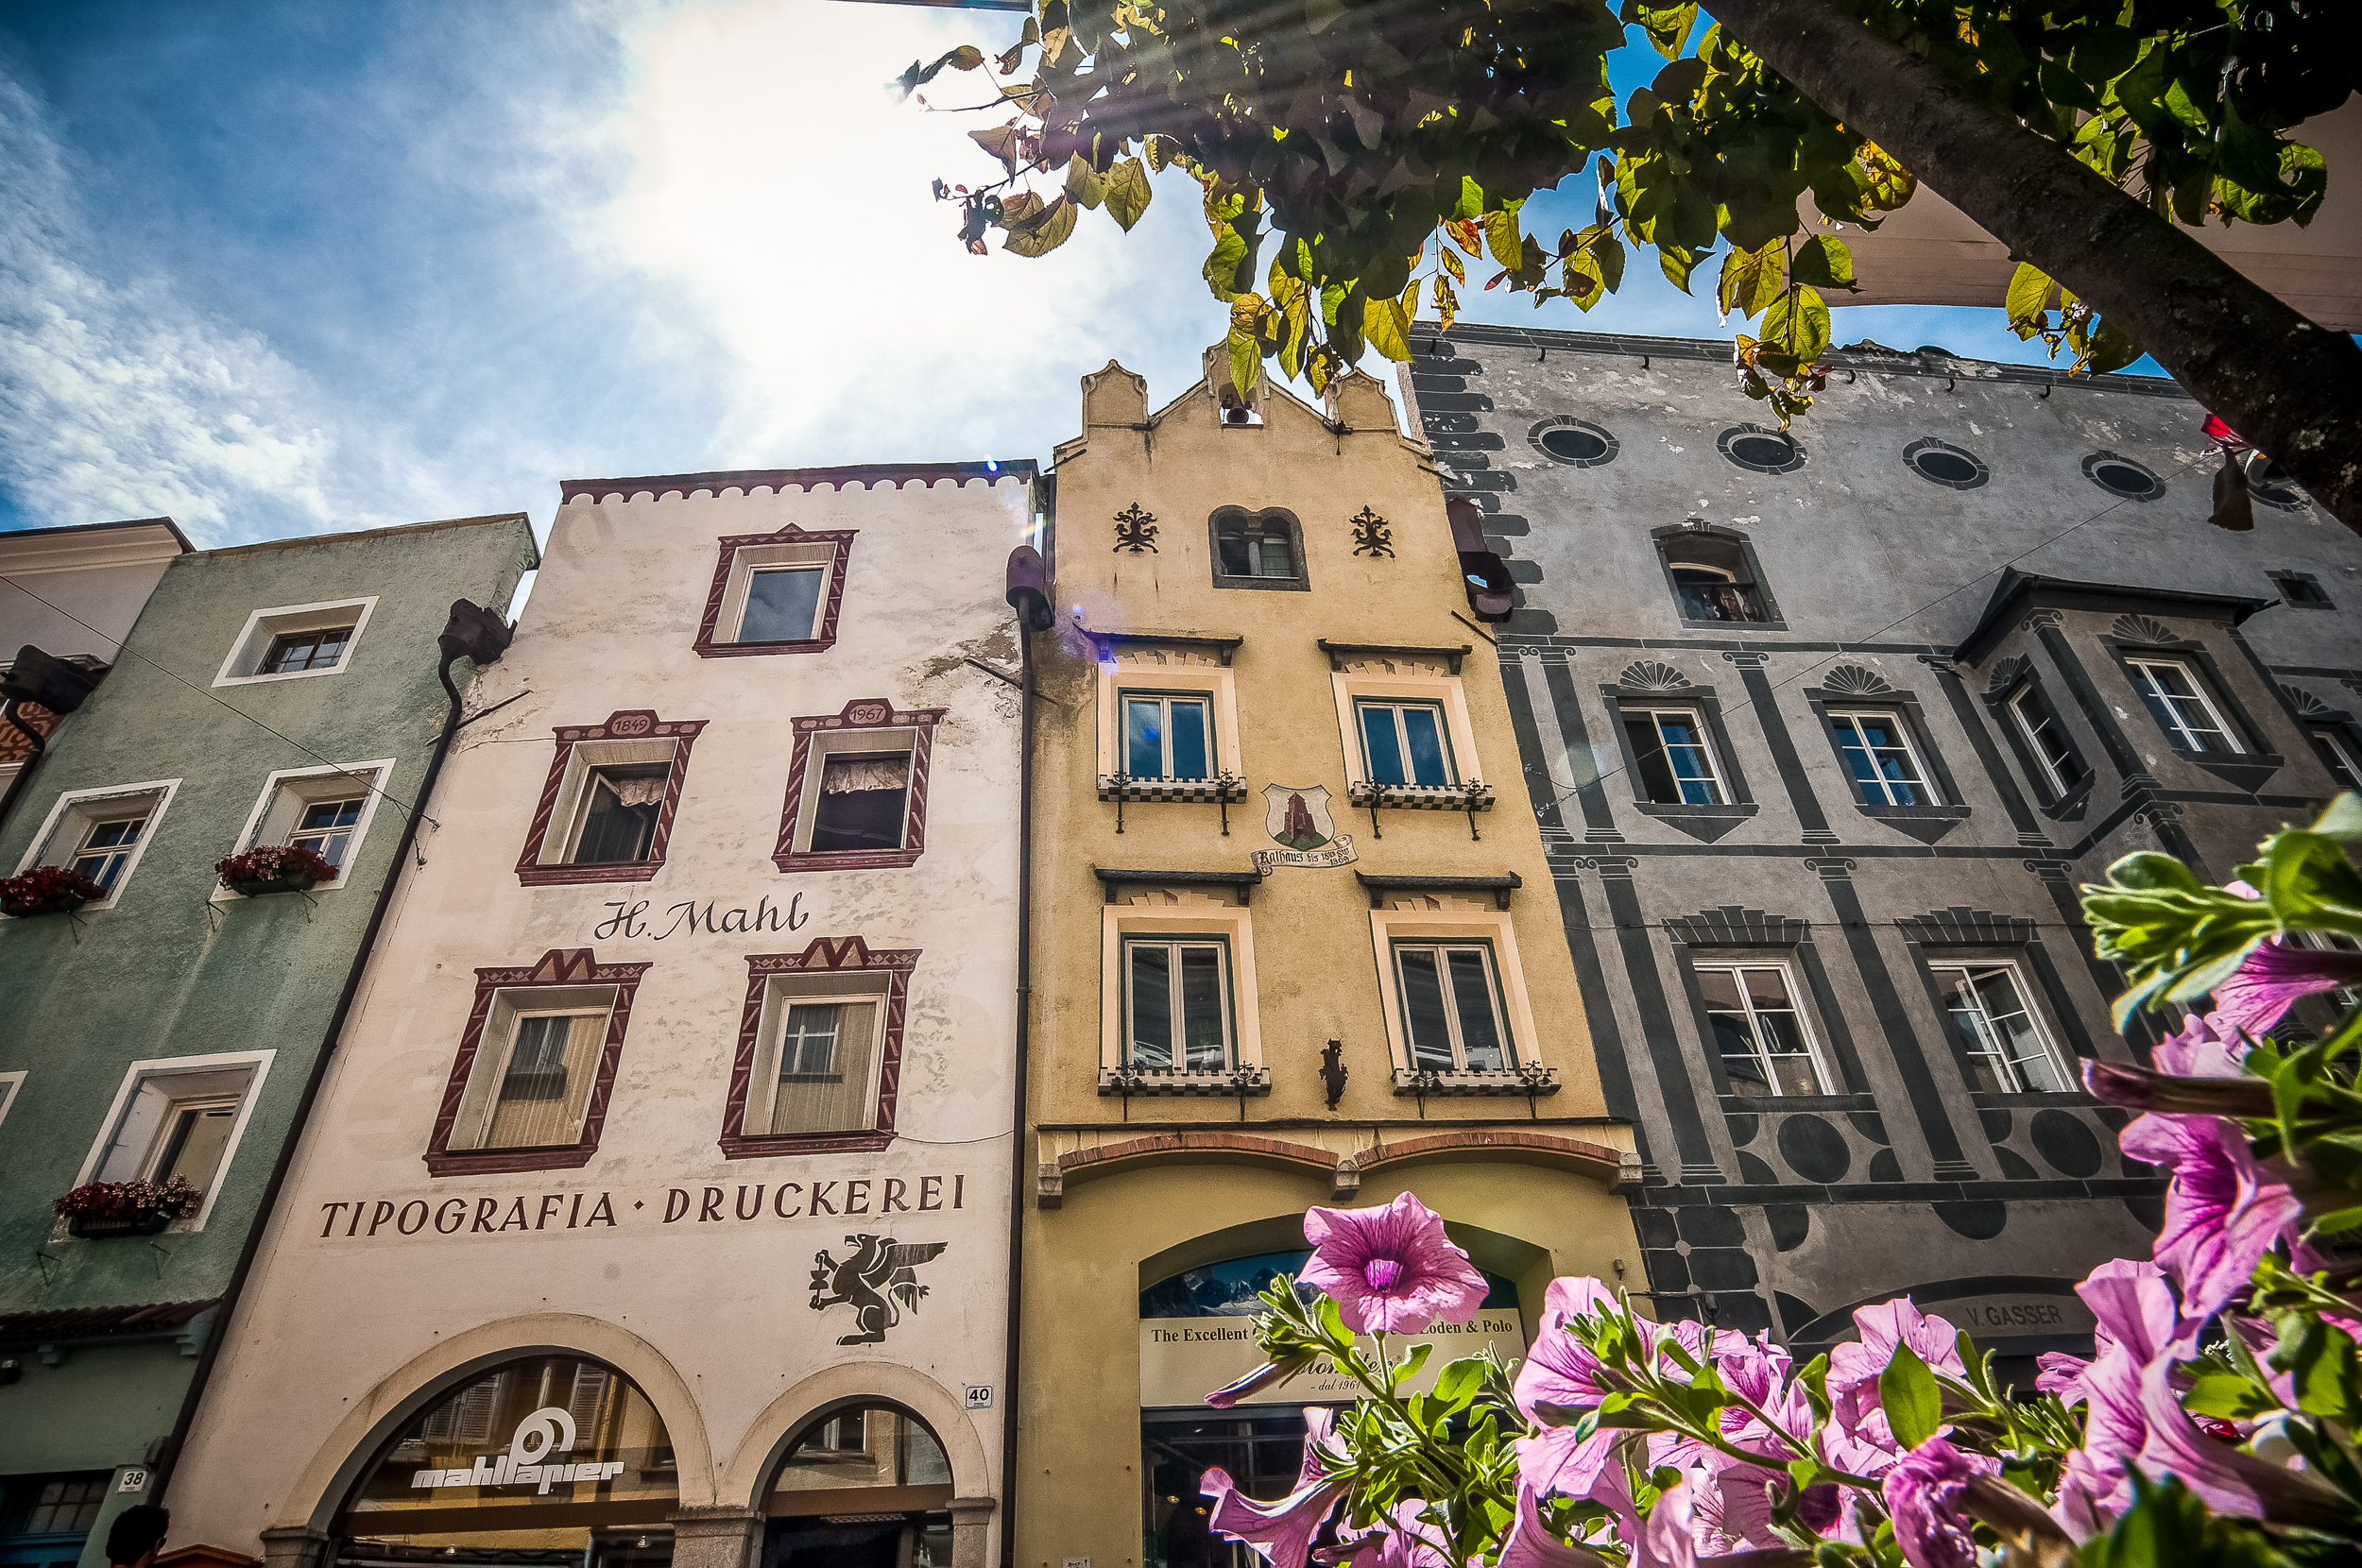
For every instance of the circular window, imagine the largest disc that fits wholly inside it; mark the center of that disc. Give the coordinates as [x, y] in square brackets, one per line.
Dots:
[1572, 442]
[2273, 487]
[1941, 463]
[1764, 451]
[2122, 476]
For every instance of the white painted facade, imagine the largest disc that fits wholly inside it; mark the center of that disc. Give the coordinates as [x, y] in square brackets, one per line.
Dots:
[356, 1318]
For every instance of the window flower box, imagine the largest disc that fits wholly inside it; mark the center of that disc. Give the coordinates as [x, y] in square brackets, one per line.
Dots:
[274, 868]
[48, 890]
[97, 1210]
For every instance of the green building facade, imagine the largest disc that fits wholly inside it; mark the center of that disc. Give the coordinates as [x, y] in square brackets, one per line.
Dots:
[270, 694]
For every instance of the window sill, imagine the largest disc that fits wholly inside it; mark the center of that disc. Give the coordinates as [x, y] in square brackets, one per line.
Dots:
[851, 859]
[1520, 1082]
[497, 1162]
[1925, 823]
[1227, 787]
[1689, 625]
[1267, 585]
[1475, 796]
[748, 650]
[2002, 1099]
[2071, 806]
[2245, 770]
[1703, 823]
[1152, 1081]
[1744, 1103]
[565, 876]
[751, 1145]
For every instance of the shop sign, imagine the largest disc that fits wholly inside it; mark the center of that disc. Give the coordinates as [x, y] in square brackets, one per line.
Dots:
[536, 1436]
[631, 919]
[2015, 1313]
[1183, 1359]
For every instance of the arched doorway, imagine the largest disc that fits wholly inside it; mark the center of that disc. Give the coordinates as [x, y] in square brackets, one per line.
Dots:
[863, 1485]
[549, 1459]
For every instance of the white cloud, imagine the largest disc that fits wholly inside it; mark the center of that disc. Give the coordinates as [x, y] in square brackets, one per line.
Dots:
[120, 398]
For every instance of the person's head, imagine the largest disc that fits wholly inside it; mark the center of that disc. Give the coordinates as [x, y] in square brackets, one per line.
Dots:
[136, 1534]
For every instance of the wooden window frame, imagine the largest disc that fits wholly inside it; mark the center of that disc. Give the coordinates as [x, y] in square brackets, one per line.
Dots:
[727, 573]
[1172, 940]
[861, 715]
[1495, 993]
[833, 955]
[623, 724]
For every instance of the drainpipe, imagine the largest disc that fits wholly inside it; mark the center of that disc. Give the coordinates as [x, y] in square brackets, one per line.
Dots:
[473, 633]
[1028, 594]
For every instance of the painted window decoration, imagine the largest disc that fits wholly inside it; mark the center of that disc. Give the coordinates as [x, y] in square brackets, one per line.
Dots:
[1713, 580]
[1672, 762]
[1168, 735]
[1406, 743]
[536, 1096]
[292, 653]
[1177, 1004]
[1878, 755]
[1758, 1032]
[107, 848]
[1996, 1028]
[2061, 766]
[2337, 755]
[606, 809]
[1451, 1006]
[857, 788]
[2182, 708]
[326, 827]
[775, 593]
[818, 1062]
[1258, 546]
[530, 1080]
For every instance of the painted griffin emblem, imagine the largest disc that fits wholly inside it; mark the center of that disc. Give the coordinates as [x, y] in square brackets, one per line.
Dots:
[880, 1281]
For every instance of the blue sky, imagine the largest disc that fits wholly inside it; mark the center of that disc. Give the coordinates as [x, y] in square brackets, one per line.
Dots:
[284, 267]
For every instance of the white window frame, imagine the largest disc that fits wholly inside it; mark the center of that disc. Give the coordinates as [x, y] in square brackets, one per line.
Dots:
[293, 789]
[68, 814]
[1968, 967]
[2179, 731]
[479, 1102]
[570, 811]
[244, 664]
[747, 559]
[1178, 913]
[2324, 738]
[1364, 702]
[1453, 920]
[1410, 679]
[11, 1084]
[1181, 669]
[1705, 745]
[1737, 967]
[139, 1074]
[1127, 695]
[1496, 998]
[2032, 734]
[1170, 942]
[811, 990]
[1922, 781]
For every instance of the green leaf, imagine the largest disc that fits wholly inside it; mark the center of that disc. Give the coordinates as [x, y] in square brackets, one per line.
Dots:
[1043, 232]
[1082, 183]
[2029, 303]
[1798, 324]
[1413, 1362]
[2328, 1375]
[1822, 262]
[1222, 267]
[1609, 250]
[1751, 280]
[1387, 329]
[2230, 1396]
[1503, 239]
[1161, 151]
[1127, 192]
[1907, 1393]
[1459, 1383]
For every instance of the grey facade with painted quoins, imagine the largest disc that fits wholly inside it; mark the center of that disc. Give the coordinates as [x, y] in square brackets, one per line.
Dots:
[1825, 730]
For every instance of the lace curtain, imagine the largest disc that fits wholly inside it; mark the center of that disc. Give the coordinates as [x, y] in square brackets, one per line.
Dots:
[847, 774]
[638, 791]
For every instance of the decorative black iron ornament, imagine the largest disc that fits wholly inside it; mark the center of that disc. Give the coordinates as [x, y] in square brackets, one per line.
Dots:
[1135, 529]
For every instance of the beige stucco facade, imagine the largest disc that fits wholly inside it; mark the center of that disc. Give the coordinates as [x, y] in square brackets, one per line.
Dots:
[1150, 1165]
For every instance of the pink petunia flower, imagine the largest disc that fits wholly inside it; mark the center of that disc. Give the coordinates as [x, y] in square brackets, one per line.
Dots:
[1923, 1494]
[2203, 1048]
[1854, 1367]
[1670, 1539]
[1282, 1532]
[2222, 1212]
[1391, 1269]
[1559, 1369]
[1531, 1545]
[2275, 973]
[2224, 1478]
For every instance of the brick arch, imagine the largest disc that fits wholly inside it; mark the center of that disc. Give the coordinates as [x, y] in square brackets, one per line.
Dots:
[1196, 1149]
[1513, 1146]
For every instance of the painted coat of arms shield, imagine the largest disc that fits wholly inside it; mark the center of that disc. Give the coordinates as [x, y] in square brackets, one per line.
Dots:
[1298, 816]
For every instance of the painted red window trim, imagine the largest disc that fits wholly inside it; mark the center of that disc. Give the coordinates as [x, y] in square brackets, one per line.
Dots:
[709, 627]
[826, 954]
[560, 966]
[861, 713]
[636, 724]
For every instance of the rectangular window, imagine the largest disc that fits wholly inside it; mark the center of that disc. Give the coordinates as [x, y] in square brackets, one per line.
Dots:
[2181, 709]
[863, 802]
[181, 1118]
[197, 1135]
[53, 1506]
[1177, 1005]
[545, 1080]
[2047, 737]
[1878, 754]
[1168, 737]
[2336, 757]
[1405, 742]
[825, 1051]
[292, 653]
[618, 815]
[1670, 754]
[1255, 547]
[107, 847]
[1765, 1048]
[783, 603]
[1452, 1008]
[326, 828]
[2005, 1051]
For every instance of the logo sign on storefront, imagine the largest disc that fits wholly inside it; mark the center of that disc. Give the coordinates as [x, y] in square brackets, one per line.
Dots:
[548, 1430]
[1183, 1359]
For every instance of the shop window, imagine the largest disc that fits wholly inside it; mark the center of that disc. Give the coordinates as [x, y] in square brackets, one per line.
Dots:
[1759, 1034]
[529, 1085]
[1168, 735]
[102, 834]
[819, 1053]
[605, 812]
[2182, 706]
[2046, 741]
[1714, 578]
[865, 1484]
[534, 1461]
[1258, 549]
[1672, 763]
[775, 593]
[294, 642]
[1876, 750]
[857, 789]
[1176, 1005]
[179, 1117]
[2335, 750]
[326, 811]
[2001, 1041]
[1451, 1005]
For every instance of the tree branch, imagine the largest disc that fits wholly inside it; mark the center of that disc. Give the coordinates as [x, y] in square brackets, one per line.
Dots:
[2291, 387]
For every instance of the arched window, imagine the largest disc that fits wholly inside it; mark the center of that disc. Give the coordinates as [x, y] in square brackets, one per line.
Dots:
[1258, 549]
[863, 1486]
[552, 1459]
[1714, 579]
